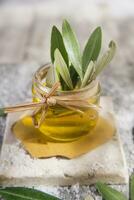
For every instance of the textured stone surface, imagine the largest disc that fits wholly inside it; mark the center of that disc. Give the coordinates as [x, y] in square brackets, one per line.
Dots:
[27, 40]
[105, 163]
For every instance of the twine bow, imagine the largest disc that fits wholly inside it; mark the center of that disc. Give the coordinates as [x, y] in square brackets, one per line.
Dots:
[47, 100]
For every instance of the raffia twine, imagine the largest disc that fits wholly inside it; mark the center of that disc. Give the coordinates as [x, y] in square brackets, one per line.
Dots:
[50, 99]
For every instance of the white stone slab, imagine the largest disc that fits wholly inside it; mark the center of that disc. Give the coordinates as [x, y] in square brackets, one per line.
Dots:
[106, 163]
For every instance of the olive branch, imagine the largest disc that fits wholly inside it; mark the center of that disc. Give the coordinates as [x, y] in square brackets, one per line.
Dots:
[72, 68]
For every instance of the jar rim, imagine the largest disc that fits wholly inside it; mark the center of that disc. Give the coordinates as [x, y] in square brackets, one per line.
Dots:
[42, 71]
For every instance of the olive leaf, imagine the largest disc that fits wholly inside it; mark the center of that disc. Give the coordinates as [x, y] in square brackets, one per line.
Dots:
[92, 48]
[57, 43]
[51, 76]
[62, 68]
[132, 187]
[72, 47]
[74, 75]
[21, 193]
[109, 193]
[2, 112]
[63, 84]
[88, 74]
[77, 70]
[105, 59]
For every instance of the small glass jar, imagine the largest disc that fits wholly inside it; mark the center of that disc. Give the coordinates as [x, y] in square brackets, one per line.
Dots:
[62, 124]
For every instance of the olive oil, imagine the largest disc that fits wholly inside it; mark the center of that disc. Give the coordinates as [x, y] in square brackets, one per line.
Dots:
[62, 124]
[68, 125]
[40, 146]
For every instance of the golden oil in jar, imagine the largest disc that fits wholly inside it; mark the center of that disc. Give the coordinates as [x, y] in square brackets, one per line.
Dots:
[62, 124]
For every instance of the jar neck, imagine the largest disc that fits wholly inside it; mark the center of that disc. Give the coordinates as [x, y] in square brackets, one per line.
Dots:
[39, 79]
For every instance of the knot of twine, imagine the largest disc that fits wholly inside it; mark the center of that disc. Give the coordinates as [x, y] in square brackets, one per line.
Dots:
[50, 99]
[47, 100]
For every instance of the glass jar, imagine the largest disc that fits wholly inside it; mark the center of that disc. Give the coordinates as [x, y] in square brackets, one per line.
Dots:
[62, 124]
